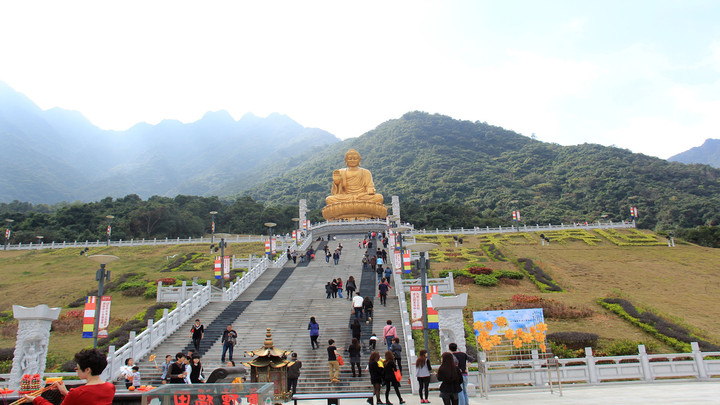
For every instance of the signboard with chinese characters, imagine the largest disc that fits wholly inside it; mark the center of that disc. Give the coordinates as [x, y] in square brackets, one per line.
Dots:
[104, 316]
[210, 394]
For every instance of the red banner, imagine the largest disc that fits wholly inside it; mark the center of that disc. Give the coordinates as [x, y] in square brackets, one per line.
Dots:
[416, 320]
[104, 316]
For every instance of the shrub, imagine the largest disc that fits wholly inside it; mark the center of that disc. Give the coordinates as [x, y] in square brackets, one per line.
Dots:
[134, 291]
[486, 280]
[516, 275]
[7, 353]
[166, 281]
[563, 352]
[574, 340]
[70, 321]
[621, 348]
[538, 275]
[508, 281]
[517, 298]
[480, 270]
[9, 329]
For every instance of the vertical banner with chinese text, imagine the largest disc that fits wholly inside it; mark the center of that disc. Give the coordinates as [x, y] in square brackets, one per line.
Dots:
[416, 320]
[104, 316]
[226, 269]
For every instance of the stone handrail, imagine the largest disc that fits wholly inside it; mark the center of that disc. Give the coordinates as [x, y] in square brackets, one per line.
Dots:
[139, 242]
[142, 344]
[445, 285]
[594, 370]
[405, 329]
[523, 228]
[242, 283]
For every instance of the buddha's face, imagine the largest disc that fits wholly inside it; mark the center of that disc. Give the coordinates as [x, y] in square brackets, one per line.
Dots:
[352, 159]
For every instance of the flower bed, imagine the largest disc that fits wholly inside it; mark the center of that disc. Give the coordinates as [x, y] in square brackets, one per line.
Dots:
[567, 235]
[672, 334]
[630, 237]
[541, 279]
[483, 276]
[510, 238]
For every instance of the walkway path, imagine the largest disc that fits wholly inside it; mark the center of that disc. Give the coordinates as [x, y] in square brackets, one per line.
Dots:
[284, 300]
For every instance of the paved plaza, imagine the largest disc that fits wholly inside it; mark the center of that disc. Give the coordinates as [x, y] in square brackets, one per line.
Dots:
[621, 393]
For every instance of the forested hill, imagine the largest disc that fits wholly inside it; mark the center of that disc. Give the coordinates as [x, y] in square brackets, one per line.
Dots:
[475, 173]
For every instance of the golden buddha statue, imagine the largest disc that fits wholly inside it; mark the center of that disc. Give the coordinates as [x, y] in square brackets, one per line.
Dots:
[353, 192]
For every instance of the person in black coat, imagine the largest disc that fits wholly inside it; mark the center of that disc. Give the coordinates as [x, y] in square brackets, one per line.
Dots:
[390, 379]
[376, 375]
[451, 378]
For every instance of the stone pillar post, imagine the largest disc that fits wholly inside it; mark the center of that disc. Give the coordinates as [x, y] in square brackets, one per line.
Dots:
[450, 320]
[302, 213]
[33, 337]
[396, 207]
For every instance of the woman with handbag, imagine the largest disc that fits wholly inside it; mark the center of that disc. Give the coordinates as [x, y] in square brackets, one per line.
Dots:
[376, 376]
[314, 329]
[392, 377]
[452, 379]
[422, 372]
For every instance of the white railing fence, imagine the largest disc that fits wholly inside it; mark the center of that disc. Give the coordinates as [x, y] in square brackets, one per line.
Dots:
[404, 327]
[595, 370]
[521, 228]
[140, 345]
[444, 285]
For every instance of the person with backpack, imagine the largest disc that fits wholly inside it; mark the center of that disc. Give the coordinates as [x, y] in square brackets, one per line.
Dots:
[229, 339]
[390, 378]
[314, 329]
[367, 307]
[293, 373]
[196, 333]
[396, 349]
[379, 272]
[451, 377]
[461, 359]
[350, 287]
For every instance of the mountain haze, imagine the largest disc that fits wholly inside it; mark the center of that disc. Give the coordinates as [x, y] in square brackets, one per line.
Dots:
[58, 155]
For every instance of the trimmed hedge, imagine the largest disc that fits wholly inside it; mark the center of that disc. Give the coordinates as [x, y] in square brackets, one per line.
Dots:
[672, 334]
[574, 340]
[541, 279]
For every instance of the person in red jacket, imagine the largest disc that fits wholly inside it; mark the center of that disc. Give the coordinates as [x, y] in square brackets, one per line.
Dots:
[90, 363]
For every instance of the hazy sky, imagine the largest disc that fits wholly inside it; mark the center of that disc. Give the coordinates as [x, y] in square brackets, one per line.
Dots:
[642, 75]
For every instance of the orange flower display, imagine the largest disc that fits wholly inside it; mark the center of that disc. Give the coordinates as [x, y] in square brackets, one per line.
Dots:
[501, 321]
[517, 343]
[509, 334]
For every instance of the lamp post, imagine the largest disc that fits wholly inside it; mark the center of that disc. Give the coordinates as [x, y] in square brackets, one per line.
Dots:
[297, 230]
[109, 229]
[270, 226]
[40, 239]
[212, 227]
[400, 229]
[422, 248]
[8, 232]
[516, 215]
[100, 276]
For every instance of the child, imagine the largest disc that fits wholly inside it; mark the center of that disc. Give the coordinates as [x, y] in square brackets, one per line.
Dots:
[373, 341]
[136, 377]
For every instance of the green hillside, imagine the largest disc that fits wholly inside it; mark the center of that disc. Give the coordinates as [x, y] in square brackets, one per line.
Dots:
[430, 160]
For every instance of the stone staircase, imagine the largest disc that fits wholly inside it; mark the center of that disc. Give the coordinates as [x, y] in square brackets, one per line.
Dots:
[284, 300]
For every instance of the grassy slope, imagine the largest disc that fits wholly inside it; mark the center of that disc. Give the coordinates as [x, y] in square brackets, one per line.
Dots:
[681, 283]
[58, 277]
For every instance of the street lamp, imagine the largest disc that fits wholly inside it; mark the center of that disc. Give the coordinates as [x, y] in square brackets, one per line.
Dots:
[109, 229]
[40, 239]
[212, 227]
[222, 237]
[423, 247]
[8, 232]
[100, 276]
[400, 229]
[270, 226]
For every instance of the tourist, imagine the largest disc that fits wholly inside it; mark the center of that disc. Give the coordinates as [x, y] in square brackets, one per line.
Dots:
[196, 373]
[126, 371]
[383, 288]
[229, 339]
[372, 342]
[396, 349]
[368, 309]
[314, 329]
[388, 274]
[293, 373]
[354, 352]
[389, 333]
[90, 364]
[177, 372]
[136, 377]
[365, 263]
[336, 257]
[376, 375]
[451, 377]
[333, 362]
[462, 360]
[288, 254]
[350, 287]
[328, 290]
[373, 262]
[188, 368]
[165, 368]
[359, 244]
[390, 378]
[356, 329]
[197, 332]
[339, 287]
[334, 286]
[379, 272]
[327, 255]
[422, 373]
[379, 262]
[357, 303]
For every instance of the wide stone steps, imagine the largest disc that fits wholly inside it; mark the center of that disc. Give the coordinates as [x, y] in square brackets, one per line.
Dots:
[284, 300]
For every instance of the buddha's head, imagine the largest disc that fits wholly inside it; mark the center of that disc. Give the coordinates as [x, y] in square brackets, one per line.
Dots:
[352, 158]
